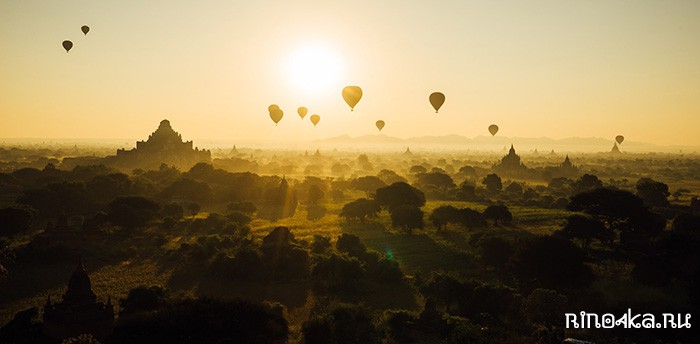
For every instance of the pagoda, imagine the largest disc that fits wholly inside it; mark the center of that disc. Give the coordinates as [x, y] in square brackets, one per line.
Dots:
[510, 162]
[79, 312]
[164, 146]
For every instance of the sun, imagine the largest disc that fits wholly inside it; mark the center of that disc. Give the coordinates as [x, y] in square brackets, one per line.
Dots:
[314, 68]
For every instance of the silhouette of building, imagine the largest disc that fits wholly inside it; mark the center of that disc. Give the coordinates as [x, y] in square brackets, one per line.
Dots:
[567, 166]
[510, 162]
[79, 312]
[565, 169]
[615, 149]
[164, 146]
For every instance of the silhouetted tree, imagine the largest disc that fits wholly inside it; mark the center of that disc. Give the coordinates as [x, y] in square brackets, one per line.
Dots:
[143, 299]
[14, 221]
[338, 272]
[467, 192]
[444, 215]
[498, 212]
[368, 184]
[545, 306]
[315, 212]
[107, 187]
[493, 183]
[347, 324]
[621, 211]
[390, 177]
[587, 182]
[360, 210]
[415, 169]
[495, 251]
[654, 194]
[407, 217]
[247, 207]
[551, 262]
[173, 210]
[351, 244]
[585, 228]
[205, 321]
[132, 211]
[188, 190]
[398, 194]
[471, 218]
[315, 194]
[435, 179]
[194, 208]
[320, 244]
[468, 170]
[24, 328]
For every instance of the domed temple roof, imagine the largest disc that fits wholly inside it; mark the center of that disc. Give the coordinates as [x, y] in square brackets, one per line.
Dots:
[79, 287]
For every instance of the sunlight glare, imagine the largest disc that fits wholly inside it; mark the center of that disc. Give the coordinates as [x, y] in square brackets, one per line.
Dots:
[313, 68]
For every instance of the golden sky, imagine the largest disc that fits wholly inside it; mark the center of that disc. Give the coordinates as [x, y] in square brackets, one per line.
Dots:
[536, 68]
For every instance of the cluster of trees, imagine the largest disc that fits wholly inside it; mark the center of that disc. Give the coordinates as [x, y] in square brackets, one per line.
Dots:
[402, 200]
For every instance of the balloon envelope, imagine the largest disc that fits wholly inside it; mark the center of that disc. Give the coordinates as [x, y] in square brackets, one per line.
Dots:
[619, 138]
[276, 113]
[493, 129]
[67, 45]
[380, 125]
[436, 100]
[302, 111]
[315, 119]
[352, 95]
[85, 29]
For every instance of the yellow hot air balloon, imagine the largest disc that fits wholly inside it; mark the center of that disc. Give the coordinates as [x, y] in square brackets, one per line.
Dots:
[380, 125]
[68, 45]
[352, 95]
[315, 119]
[436, 100]
[493, 129]
[276, 113]
[85, 29]
[302, 111]
[619, 139]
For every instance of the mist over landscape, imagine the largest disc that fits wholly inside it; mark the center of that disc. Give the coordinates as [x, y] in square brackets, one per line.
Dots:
[359, 172]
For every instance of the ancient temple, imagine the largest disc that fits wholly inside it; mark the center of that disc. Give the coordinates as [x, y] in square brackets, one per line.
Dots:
[567, 166]
[79, 312]
[164, 146]
[565, 169]
[615, 149]
[510, 162]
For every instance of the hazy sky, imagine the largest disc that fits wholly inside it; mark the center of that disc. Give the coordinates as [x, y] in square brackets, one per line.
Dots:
[535, 68]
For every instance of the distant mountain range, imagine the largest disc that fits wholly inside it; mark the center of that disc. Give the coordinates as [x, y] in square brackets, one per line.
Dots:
[542, 144]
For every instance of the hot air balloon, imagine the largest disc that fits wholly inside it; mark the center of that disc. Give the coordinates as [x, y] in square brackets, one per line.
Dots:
[619, 139]
[67, 45]
[380, 125]
[85, 29]
[493, 129]
[352, 95]
[275, 113]
[302, 111]
[315, 119]
[437, 99]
